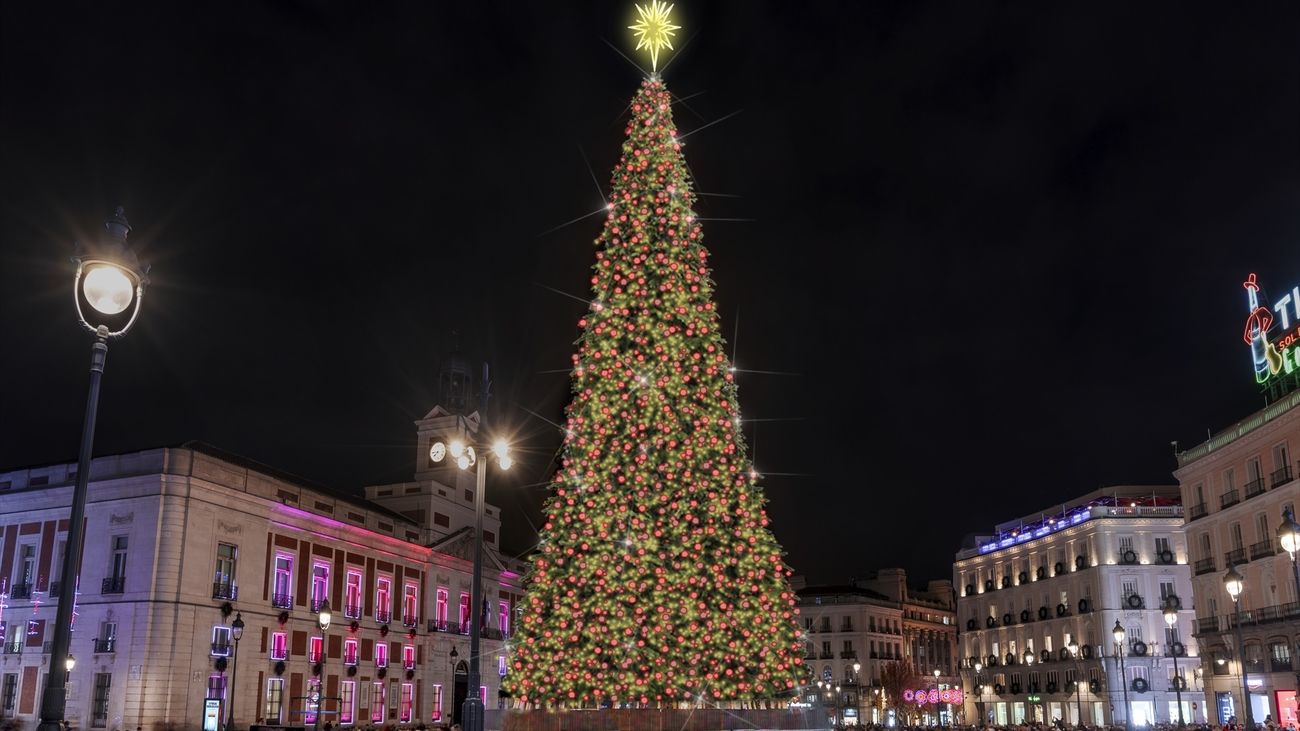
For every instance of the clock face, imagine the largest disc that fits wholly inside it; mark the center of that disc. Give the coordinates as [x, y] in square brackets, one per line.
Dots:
[438, 451]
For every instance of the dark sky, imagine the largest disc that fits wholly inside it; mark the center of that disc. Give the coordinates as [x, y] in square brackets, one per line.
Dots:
[1000, 245]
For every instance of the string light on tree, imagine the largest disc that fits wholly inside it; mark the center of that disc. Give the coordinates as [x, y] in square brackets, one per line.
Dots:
[654, 30]
[658, 581]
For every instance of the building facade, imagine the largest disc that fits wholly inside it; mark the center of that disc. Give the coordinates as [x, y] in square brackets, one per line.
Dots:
[1043, 584]
[871, 622]
[181, 541]
[1238, 484]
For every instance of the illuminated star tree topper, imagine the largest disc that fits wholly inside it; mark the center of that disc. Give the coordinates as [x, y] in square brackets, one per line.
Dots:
[654, 29]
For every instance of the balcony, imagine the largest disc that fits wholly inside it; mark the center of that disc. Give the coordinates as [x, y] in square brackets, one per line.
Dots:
[410, 620]
[848, 655]
[13, 647]
[1204, 566]
[383, 616]
[352, 611]
[1197, 511]
[221, 649]
[20, 591]
[282, 601]
[105, 644]
[316, 603]
[846, 627]
[1255, 487]
[113, 585]
[1207, 625]
[1234, 557]
[1264, 615]
[226, 591]
[1282, 476]
[1229, 498]
[826, 655]
[437, 625]
[1281, 664]
[464, 627]
[54, 590]
[349, 658]
[1262, 549]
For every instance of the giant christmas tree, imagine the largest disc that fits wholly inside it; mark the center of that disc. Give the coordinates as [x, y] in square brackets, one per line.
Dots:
[657, 580]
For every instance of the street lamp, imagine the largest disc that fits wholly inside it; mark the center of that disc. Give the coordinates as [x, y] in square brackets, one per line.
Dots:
[1029, 660]
[1171, 619]
[979, 692]
[1118, 633]
[323, 618]
[937, 717]
[465, 457]
[236, 632]
[1078, 682]
[107, 290]
[69, 662]
[1234, 584]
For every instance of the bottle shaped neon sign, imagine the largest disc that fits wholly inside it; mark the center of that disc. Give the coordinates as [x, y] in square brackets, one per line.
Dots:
[1277, 354]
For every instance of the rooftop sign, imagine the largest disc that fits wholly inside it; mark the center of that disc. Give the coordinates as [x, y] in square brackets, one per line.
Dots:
[1272, 334]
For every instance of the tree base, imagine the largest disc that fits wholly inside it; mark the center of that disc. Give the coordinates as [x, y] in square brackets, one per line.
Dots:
[671, 719]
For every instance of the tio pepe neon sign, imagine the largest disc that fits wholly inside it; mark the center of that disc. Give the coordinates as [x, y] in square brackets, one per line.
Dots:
[921, 697]
[1272, 334]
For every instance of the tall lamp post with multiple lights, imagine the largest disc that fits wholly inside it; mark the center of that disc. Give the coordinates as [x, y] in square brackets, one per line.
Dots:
[1119, 634]
[1029, 661]
[1171, 619]
[323, 618]
[979, 693]
[1078, 683]
[1234, 584]
[107, 290]
[236, 632]
[1288, 536]
[466, 457]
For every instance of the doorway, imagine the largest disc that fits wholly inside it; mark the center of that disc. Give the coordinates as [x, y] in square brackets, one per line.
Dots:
[461, 690]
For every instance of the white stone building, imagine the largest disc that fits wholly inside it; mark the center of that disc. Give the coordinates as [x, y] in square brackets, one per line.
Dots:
[1041, 582]
[182, 540]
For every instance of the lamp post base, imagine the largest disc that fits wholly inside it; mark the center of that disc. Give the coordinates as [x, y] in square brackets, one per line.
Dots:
[471, 714]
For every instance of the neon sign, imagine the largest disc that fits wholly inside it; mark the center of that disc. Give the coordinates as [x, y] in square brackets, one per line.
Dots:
[933, 695]
[1272, 334]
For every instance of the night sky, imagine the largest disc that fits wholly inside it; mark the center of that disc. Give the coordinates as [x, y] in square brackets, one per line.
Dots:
[997, 250]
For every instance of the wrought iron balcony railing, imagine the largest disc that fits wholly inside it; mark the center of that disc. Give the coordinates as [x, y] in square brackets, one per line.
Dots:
[113, 585]
[282, 601]
[227, 591]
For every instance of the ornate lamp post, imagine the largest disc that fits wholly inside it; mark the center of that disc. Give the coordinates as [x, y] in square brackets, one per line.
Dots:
[107, 290]
[1118, 633]
[857, 689]
[979, 693]
[323, 621]
[1078, 682]
[465, 458]
[1171, 619]
[1288, 536]
[1234, 584]
[236, 632]
[1029, 660]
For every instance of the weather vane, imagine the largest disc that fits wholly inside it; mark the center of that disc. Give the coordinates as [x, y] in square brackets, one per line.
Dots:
[654, 29]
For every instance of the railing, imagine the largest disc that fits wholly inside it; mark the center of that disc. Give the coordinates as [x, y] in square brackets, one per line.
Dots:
[383, 616]
[227, 591]
[352, 611]
[849, 655]
[317, 602]
[1229, 498]
[1282, 475]
[410, 620]
[350, 658]
[1281, 664]
[825, 627]
[1197, 511]
[113, 585]
[1207, 625]
[847, 627]
[282, 601]
[1262, 549]
[105, 644]
[47, 647]
[13, 648]
[437, 625]
[1255, 487]
[1235, 556]
[20, 591]
[313, 656]
[826, 655]
[221, 649]
[1204, 566]
[54, 590]
[464, 627]
[1263, 615]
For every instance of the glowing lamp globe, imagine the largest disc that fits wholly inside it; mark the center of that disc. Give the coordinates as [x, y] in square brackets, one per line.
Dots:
[1118, 632]
[107, 288]
[1171, 616]
[69, 662]
[325, 615]
[1233, 583]
[1288, 534]
[505, 462]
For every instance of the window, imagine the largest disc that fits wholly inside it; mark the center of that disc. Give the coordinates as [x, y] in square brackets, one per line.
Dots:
[99, 700]
[119, 557]
[501, 665]
[217, 686]
[9, 692]
[408, 657]
[221, 641]
[377, 702]
[1261, 527]
[311, 702]
[1206, 550]
[383, 606]
[408, 696]
[282, 596]
[274, 700]
[1171, 636]
[440, 608]
[381, 654]
[1253, 471]
[503, 619]
[320, 581]
[347, 702]
[26, 567]
[1235, 532]
[314, 650]
[279, 646]
[1125, 544]
[1280, 653]
[352, 596]
[410, 604]
[464, 613]
[1166, 591]
[482, 695]
[437, 703]
[1162, 545]
[223, 579]
[349, 652]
